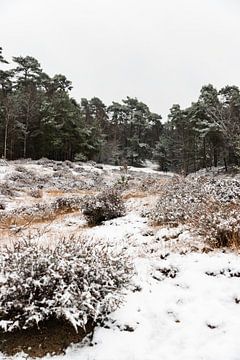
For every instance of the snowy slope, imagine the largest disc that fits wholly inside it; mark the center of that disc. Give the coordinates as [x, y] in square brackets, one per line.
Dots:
[193, 316]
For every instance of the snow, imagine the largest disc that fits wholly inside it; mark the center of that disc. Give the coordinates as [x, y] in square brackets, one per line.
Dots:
[181, 305]
[192, 316]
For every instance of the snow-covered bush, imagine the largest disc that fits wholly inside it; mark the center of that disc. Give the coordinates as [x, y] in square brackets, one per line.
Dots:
[45, 161]
[104, 206]
[62, 173]
[24, 177]
[211, 206]
[122, 183]
[76, 281]
[219, 224]
[181, 198]
[69, 164]
[41, 210]
[224, 190]
[3, 162]
[178, 199]
[36, 193]
[6, 189]
[65, 203]
[152, 184]
[20, 168]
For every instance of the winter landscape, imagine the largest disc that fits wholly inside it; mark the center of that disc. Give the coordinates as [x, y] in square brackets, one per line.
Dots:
[160, 278]
[119, 180]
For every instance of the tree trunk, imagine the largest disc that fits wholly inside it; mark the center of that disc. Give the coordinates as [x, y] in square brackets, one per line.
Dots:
[215, 157]
[204, 154]
[6, 137]
[225, 164]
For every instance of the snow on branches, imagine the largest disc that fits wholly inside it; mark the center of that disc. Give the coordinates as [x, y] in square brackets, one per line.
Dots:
[211, 206]
[104, 206]
[76, 281]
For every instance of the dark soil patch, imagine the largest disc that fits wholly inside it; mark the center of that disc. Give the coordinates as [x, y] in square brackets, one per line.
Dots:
[52, 337]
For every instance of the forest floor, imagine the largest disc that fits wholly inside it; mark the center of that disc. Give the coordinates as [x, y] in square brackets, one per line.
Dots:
[184, 300]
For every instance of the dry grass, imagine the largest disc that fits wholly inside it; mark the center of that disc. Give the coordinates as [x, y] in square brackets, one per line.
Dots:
[134, 195]
[54, 193]
[57, 192]
[40, 212]
[218, 223]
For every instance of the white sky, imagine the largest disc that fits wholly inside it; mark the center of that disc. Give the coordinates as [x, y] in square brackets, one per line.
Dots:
[161, 51]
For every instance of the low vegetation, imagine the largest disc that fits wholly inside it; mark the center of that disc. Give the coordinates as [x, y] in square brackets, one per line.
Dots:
[210, 206]
[75, 281]
[41, 211]
[104, 206]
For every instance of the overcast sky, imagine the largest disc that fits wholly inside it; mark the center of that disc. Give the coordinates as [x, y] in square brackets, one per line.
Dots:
[160, 51]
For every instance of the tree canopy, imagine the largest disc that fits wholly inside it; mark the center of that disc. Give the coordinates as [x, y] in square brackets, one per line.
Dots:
[40, 118]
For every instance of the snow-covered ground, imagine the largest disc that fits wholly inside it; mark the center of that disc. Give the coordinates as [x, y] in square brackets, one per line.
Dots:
[193, 316]
[182, 304]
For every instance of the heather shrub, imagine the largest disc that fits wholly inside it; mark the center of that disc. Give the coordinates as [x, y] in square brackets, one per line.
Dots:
[6, 189]
[69, 164]
[65, 203]
[76, 281]
[36, 193]
[122, 183]
[151, 184]
[24, 177]
[181, 198]
[20, 168]
[219, 224]
[211, 206]
[104, 206]
[45, 161]
[2, 205]
[41, 210]
[178, 199]
[79, 169]
[65, 172]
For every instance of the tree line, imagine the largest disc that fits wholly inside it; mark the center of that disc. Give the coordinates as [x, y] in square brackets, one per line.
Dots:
[40, 118]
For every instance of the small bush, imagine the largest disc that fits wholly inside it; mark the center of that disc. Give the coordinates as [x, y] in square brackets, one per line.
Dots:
[21, 169]
[45, 161]
[79, 169]
[24, 177]
[69, 164]
[76, 281]
[211, 206]
[6, 190]
[181, 198]
[67, 203]
[219, 224]
[2, 205]
[62, 173]
[177, 202]
[102, 207]
[36, 193]
[41, 211]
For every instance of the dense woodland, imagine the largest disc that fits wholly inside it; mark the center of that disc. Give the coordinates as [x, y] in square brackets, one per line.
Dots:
[39, 118]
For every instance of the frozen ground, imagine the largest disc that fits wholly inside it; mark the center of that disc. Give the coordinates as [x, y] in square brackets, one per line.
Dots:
[192, 316]
[183, 304]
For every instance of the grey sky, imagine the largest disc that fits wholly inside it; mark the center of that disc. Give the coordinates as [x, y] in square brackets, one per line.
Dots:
[161, 51]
